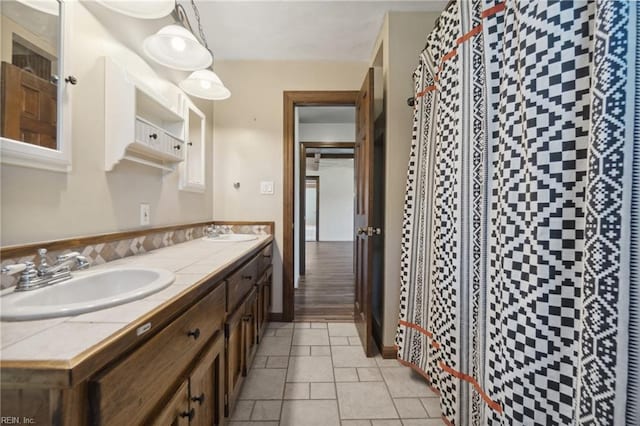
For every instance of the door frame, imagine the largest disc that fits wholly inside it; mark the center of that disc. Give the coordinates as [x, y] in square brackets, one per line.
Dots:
[291, 99]
[317, 179]
[302, 196]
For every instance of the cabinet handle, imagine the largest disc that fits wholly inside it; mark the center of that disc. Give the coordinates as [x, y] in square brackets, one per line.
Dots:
[190, 143]
[153, 136]
[247, 277]
[189, 414]
[267, 256]
[176, 147]
[194, 333]
[71, 80]
[198, 399]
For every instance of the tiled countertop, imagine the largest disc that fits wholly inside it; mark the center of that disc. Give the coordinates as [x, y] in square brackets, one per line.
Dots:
[65, 339]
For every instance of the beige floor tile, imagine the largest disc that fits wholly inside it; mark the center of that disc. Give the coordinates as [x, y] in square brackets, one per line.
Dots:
[319, 325]
[323, 391]
[300, 351]
[422, 422]
[296, 391]
[387, 362]
[278, 362]
[270, 332]
[278, 325]
[369, 374]
[266, 410]
[314, 337]
[432, 405]
[339, 341]
[342, 329]
[345, 374]
[320, 350]
[354, 341]
[259, 362]
[365, 400]
[278, 346]
[264, 384]
[310, 369]
[356, 422]
[386, 423]
[404, 383]
[302, 325]
[310, 413]
[243, 423]
[350, 356]
[410, 408]
[242, 410]
[284, 332]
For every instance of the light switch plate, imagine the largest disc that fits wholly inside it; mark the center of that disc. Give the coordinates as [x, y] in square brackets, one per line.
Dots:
[145, 214]
[266, 187]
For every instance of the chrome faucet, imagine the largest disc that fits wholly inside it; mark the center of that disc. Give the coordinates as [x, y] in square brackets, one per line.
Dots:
[32, 277]
[212, 231]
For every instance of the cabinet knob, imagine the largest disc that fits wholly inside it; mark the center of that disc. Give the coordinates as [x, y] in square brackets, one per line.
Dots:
[153, 136]
[194, 333]
[71, 80]
[189, 414]
[177, 147]
[198, 399]
[190, 143]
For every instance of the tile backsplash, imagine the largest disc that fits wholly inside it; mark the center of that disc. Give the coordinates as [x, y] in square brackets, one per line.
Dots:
[113, 250]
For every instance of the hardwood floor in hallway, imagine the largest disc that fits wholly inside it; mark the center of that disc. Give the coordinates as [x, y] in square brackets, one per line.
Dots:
[326, 292]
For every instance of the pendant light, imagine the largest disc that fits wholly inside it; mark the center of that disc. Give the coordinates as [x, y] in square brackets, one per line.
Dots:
[205, 84]
[50, 7]
[176, 47]
[143, 9]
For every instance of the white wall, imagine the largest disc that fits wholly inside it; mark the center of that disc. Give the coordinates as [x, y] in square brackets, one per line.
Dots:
[38, 205]
[248, 137]
[336, 198]
[327, 132]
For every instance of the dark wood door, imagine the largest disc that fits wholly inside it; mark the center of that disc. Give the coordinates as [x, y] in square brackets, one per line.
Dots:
[28, 107]
[364, 213]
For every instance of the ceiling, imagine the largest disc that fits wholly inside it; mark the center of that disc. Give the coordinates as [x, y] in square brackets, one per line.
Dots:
[326, 114]
[298, 30]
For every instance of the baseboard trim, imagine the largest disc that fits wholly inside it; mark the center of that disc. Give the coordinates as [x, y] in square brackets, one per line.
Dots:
[389, 352]
[276, 317]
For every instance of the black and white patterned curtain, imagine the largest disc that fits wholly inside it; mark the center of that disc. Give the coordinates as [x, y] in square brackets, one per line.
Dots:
[520, 260]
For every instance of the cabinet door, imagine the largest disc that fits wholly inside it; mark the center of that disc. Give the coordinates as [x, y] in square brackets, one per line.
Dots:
[235, 358]
[206, 386]
[176, 412]
[192, 170]
[250, 328]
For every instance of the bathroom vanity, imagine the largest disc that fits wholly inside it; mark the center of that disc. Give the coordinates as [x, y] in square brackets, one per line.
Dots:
[174, 358]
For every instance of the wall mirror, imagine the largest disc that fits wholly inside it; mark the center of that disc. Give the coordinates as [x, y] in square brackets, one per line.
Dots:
[34, 93]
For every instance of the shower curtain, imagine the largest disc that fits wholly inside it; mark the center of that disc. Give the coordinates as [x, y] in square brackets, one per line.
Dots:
[520, 267]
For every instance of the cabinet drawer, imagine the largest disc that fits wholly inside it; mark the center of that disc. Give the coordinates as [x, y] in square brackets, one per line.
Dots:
[173, 146]
[265, 259]
[126, 393]
[240, 283]
[148, 134]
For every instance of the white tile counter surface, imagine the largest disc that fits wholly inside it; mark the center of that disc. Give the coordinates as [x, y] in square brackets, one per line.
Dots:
[62, 339]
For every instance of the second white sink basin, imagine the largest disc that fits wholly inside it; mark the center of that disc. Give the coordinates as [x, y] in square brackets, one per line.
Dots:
[232, 238]
[85, 292]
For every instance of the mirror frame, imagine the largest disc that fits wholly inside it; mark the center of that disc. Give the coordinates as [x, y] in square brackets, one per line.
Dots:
[26, 155]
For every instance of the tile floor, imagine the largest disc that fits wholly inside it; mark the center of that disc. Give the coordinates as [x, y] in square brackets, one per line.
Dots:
[316, 374]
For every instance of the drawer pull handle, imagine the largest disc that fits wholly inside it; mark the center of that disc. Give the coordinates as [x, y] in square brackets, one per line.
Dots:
[267, 256]
[189, 414]
[247, 277]
[153, 136]
[194, 333]
[198, 399]
[247, 318]
[176, 147]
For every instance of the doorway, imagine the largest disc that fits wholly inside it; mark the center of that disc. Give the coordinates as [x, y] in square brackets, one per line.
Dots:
[312, 209]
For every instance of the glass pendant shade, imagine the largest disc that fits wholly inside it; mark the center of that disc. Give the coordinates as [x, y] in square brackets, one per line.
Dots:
[143, 9]
[50, 7]
[176, 47]
[205, 84]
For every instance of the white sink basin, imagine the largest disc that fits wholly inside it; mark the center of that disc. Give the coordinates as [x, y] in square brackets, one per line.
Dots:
[85, 292]
[232, 238]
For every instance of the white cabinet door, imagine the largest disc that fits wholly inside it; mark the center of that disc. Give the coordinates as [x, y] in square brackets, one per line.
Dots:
[192, 170]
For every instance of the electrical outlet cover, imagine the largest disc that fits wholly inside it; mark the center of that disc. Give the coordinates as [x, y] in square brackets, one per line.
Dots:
[266, 187]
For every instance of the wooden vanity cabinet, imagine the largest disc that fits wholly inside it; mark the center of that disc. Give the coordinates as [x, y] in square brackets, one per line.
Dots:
[235, 358]
[250, 323]
[264, 301]
[176, 411]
